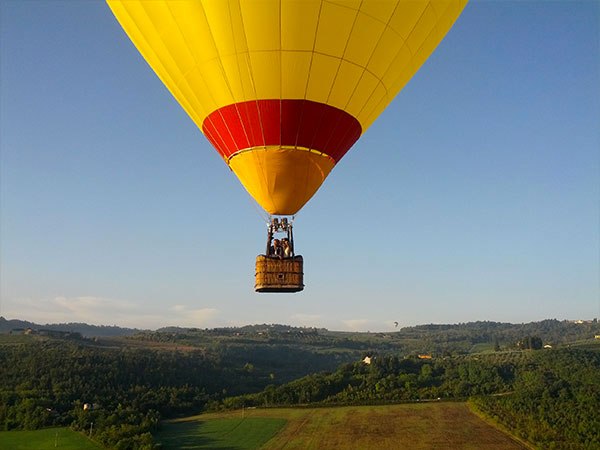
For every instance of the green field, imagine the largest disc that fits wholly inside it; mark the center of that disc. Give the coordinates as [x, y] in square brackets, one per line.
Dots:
[227, 433]
[439, 426]
[46, 439]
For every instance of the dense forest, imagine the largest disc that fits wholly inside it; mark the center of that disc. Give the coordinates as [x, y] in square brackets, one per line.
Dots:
[46, 379]
[129, 384]
[555, 401]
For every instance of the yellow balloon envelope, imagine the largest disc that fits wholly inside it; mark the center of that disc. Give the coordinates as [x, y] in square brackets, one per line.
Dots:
[283, 88]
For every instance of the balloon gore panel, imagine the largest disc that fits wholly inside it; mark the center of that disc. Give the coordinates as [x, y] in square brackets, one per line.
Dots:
[291, 123]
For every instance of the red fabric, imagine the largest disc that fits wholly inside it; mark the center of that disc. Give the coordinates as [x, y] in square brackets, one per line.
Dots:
[301, 123]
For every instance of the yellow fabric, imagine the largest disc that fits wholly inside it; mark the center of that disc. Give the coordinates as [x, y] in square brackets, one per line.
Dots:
[281, 179]
[353, 55]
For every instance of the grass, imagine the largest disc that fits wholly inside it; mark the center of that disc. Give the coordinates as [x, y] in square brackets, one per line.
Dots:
[226, 433]
[440, 426]
[475, 410]
[46, 439]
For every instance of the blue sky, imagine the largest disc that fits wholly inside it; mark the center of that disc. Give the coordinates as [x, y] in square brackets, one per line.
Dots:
[475, 196]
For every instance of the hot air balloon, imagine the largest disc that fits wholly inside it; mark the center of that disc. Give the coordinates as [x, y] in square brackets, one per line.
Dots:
[283, 88]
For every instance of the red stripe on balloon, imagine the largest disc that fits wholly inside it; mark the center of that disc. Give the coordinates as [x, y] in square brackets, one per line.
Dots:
[301, 123]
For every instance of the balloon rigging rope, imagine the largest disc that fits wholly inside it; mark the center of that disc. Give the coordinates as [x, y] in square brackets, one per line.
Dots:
[261, 212]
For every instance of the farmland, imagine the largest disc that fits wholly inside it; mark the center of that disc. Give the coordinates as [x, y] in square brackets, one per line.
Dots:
[47, 438]
[414, 426]
[226, 433]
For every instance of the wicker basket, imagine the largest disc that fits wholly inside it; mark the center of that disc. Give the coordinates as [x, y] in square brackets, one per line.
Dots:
[279, 275]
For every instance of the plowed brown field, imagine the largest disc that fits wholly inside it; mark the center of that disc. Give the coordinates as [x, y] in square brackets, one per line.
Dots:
[438, 426]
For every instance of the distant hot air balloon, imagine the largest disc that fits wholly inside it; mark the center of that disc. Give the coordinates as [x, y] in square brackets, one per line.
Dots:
[283, 88]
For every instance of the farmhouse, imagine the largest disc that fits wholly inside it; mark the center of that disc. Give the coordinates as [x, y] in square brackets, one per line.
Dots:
[90, 406]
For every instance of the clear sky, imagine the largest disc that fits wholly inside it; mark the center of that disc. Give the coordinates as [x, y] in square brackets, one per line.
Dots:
[475, 195]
